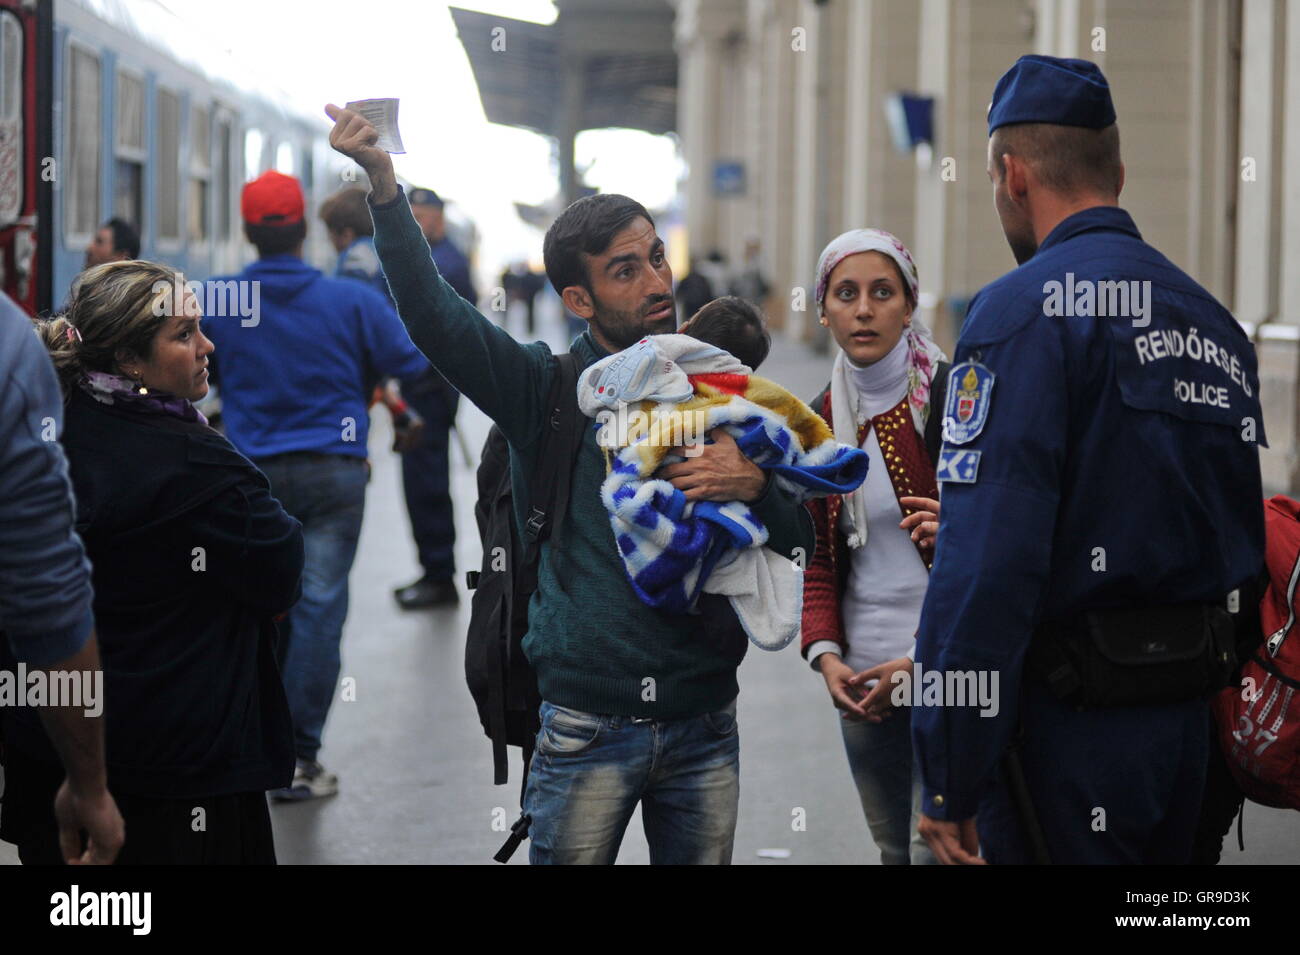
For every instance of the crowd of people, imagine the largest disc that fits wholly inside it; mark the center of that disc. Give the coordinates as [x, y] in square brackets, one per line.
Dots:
[207, 572]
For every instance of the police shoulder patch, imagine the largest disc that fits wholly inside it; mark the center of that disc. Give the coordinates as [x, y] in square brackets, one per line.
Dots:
[970, 388]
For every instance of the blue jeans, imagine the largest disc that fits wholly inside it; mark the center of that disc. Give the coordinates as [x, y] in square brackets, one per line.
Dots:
[589, 772]
[880, 758]
[327, 493]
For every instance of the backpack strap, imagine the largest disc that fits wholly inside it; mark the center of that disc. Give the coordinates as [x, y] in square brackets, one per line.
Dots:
[549, 484]
[938, 398]
[567, 420]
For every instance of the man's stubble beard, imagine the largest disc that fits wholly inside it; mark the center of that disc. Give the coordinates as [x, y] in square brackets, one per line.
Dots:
[624, 329]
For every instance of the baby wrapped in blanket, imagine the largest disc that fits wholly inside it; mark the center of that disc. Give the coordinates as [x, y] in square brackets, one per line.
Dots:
[671, 390]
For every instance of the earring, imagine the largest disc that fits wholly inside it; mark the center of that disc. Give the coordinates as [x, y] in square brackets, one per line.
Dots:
[825, 323]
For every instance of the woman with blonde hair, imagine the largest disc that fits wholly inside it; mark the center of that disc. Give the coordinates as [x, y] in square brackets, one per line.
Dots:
[192, 557]
[865, 585]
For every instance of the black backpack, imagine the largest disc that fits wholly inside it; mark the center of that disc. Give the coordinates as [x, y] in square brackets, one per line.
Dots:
[502, 683]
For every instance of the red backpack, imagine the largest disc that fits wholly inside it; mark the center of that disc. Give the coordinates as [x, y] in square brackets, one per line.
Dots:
[1259, 719]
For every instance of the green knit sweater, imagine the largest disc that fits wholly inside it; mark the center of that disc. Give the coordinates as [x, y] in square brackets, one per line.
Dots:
[594, 645]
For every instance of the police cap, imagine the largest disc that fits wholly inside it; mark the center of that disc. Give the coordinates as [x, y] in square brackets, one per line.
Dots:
[424, 197]
[1047, 89]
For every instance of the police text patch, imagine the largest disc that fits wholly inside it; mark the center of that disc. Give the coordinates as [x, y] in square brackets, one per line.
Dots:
[1204, 374]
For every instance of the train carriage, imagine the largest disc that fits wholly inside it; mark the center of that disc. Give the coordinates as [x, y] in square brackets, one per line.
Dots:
[106, 112]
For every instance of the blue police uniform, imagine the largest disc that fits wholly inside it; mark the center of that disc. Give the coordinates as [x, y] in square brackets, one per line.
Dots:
[1091, 460]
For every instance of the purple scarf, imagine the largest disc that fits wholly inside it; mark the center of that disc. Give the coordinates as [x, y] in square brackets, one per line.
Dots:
[124, 393]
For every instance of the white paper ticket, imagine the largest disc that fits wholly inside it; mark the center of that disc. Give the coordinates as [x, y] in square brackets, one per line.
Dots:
[381, 114]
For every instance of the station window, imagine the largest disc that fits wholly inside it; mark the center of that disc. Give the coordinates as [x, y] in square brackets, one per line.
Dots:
[129, 150]
[169, 150]
[200, 182]
[84, 108]
[225, 177]
[11, 115]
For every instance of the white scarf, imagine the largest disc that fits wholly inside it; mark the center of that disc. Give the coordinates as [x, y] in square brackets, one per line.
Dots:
[857, 394]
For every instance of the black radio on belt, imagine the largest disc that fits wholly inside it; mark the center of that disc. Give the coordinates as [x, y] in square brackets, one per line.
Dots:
[1135, 656]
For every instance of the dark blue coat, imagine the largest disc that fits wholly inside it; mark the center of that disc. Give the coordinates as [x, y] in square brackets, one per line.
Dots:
[1101, 465]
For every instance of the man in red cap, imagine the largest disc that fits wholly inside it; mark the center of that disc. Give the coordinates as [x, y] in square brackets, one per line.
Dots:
[295, 377]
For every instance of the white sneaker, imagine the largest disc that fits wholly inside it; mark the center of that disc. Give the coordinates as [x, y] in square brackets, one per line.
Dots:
[310, 781]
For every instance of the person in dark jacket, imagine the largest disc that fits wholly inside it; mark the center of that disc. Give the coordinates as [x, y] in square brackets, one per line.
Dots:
[192, 559]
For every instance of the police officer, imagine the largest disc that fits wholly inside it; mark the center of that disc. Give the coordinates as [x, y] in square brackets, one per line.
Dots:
[1101, 500]
[426, 466]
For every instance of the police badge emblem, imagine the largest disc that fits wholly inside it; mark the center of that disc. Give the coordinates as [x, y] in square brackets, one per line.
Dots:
[970, 387]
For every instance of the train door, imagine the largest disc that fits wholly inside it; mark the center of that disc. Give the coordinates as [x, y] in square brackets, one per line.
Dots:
[26, 172]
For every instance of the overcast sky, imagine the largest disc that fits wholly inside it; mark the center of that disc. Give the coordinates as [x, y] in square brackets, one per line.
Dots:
[321, 51]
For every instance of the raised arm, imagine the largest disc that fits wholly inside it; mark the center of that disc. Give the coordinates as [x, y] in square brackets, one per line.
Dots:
[507, 380]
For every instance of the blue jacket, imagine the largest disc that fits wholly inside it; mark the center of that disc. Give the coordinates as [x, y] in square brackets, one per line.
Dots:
[1104, 465]
[297, 376]
[45, 591]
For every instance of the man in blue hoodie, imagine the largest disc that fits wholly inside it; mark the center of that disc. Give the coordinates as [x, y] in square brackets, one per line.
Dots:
[296, 372]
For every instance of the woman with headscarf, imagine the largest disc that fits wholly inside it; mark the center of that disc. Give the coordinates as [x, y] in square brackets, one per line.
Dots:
[865, 585]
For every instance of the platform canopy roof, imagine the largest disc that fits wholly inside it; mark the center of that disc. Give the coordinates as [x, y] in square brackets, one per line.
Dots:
[622, 51]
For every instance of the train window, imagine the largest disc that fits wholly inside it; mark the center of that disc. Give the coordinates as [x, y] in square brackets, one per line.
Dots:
[128, 192]
[308, 171]
[284, 158]
[224, 178]
[130, 114]
[253, 143]
[84, 108]
[11, 116]
[11, 68]
[167, 197]
[200, 172]
[130, 149]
